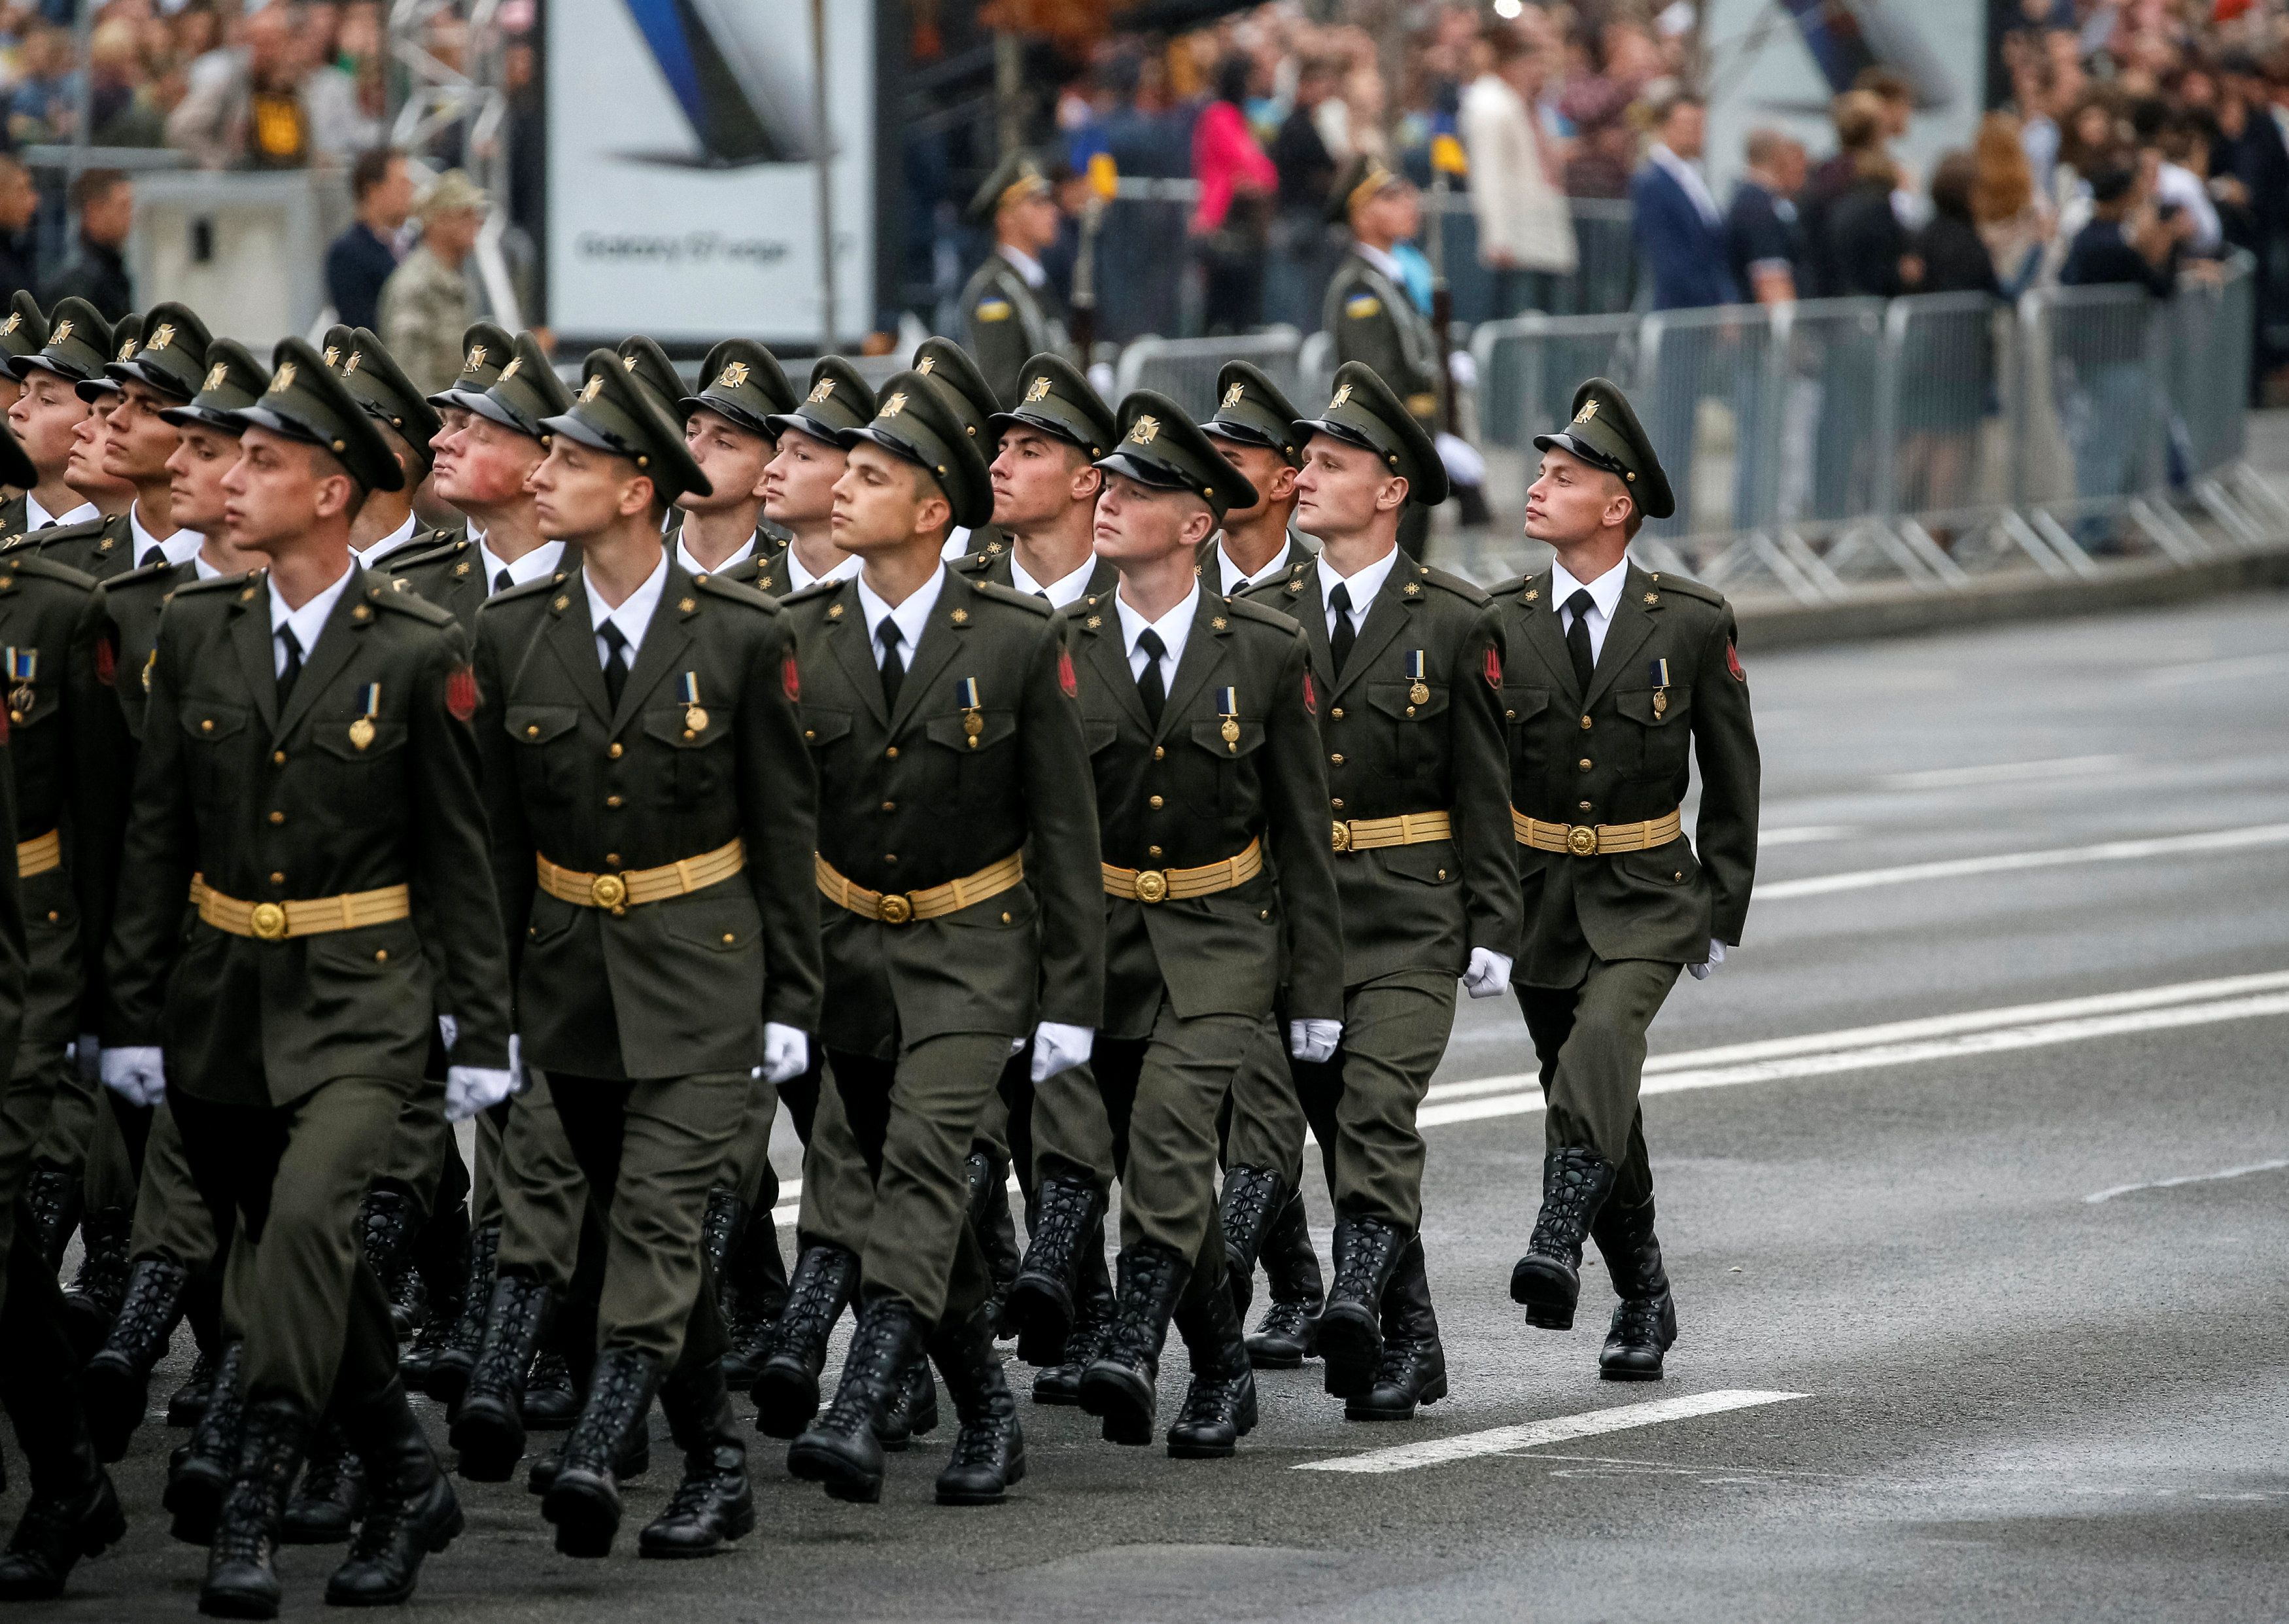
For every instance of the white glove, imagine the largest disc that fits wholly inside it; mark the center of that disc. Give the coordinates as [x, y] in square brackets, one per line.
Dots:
[1488, 974]
[1700, 972]
[471, 1088]
[1464, 369]
[1465, 465]
[786, 1053]
[448, 1028]
[1314, 1040]
[138, 1075]
[86, 1057]
[1058, 1047]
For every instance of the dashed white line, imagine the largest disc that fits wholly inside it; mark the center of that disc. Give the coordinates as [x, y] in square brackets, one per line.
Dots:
[2058, 857]
[1805, 834]
[1558, 1429]
[2184, 1179]
[2004, 773]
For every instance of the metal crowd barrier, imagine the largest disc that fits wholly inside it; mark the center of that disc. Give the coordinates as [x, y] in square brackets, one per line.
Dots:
[1185, 369]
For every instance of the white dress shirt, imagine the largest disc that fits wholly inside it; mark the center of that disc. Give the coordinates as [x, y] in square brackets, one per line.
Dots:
[1032, 270]
[37, 517]
[632, 617]
[305, 622]
[910, 616]
[1604, 596]
[381, 549]
[206, 571]
[957, 544]
[1174, 627]
[1383, 261]
[1236, 580]
[799, 577]
[1363, 588]
[1696, 190]
[531, 567]
[183, 544]
[683, 556]
[1060, 592]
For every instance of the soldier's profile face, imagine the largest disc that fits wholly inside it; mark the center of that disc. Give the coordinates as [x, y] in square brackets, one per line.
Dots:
[1271, 475]
[882, 502]
[278, 490]
[484, 464]
[1569, 501]
[1138, 524]
[196, 470]
[1037, 478]
[91, 436]
[579, 492]
[799, 482]
[442, 445]
[1341, 487]
[140, 441]
[733, 459]
[43, 417]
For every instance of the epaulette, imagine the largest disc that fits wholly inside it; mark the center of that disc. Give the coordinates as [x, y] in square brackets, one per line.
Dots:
[33, 540]
[994, 592]
[734, 592]
[973, 563]
[1470, 592]
[142, 575]
[816, 589]
[1510, 587]
[217, 583]
[419, 555]
[31, 564]
[1259, 613]
[540, 585]
[409, 604]
[1689, 587]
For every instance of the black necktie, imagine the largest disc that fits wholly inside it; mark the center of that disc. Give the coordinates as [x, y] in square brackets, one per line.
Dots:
[1577, 636]
[502, 579]
[1150, 688]
[1340, 640]
[154, 557]
[894, 669]
[616, 663]
[292, 669]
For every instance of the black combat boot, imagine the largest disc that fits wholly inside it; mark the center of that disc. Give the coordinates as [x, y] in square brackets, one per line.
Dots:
[1220, 1406]
[632, 1461]
[1067, 1210]
[92, 1300]
[1350, 1326]
[1120, 1386]
[1253, 1197]
[989, 1452]
[73, 1512]
[1413, 1370]
[200, 1473]
[188, 1402]
[449, 1367]
[488, 1426]
[1548, 1279]
[53, 1198]
[117, 1384]
[387, 1218]
[584, 1501]
[759, 1296]
[1644, 1321]
[1290, 1332]
[241, 1582]
[332, 1496]
[786, 1386]
[841, 1451]
[552, 1399]
[713, 1506]
[411, 1510]
[997, 1230]
[723, 1227]
[447, 1309]
[1060, 1383]
[913, 1413]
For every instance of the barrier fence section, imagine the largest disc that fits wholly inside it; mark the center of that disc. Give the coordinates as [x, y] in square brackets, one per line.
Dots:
[1185, 369]
[1821, 445]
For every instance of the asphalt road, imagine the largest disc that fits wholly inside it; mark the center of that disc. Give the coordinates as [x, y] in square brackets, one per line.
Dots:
[1960, 1387]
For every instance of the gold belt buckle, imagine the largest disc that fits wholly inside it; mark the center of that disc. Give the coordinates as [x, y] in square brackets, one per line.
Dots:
[1152, 885]
[608, 891]
[894, 908]
[1582, 840]
[1343, 837]
[268, 922]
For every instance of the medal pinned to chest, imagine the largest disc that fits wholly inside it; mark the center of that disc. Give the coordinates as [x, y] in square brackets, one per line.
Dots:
[368, 708]
[973, 717]
[23, 666]
[1418, 691]
[1659, 672]
[695, 714]
[1228, 707]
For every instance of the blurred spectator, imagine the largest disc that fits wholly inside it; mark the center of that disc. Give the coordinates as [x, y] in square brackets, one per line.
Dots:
[264, 102]
[1953, 255]
[2012, 221]
[1944, 388]
[1525, 233]
[1679, 229]
[424, 305]
[19, 204]
[2104, 390]
[1764, 234]
[104, 199]
[363, 259]
[1868, 250]
[43, 105]
[2127, 241]
[1232, 220]
[1598, 108]
[1304, 250]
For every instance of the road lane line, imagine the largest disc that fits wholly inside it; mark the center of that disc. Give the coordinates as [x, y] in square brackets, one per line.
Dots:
[1558, 1429]
[2006, 862]
[2215, 670]
[1805, 834]
[2002, 772]
[2170, 1184]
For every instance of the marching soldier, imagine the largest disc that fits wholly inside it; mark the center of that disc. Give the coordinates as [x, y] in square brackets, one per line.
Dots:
[653, 822]
[1369, 311]
[940, 711]
[1200, 716]
[1616, 675]
[1254, 429]
[727, 426]
[1409, 663]
[22, 332]
[309, 780]
[48, 410]
[799, 482]
[1009, 310]
[110, 549]
[387, 529]
[1043, 469]
[953, 369]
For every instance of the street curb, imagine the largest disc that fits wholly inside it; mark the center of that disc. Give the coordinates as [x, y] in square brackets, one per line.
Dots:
[1904, 611]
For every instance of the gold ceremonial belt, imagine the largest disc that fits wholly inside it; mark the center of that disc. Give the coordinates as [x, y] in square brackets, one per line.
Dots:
[1406, 829]
[634, 885]
[1160, 885]
[276, 921]
[40, 854]
[1595, 839]
[931, 902]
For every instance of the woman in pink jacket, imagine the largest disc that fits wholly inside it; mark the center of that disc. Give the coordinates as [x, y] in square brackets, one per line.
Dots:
[1237, 183]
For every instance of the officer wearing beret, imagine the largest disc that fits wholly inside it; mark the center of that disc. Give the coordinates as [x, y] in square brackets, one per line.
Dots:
[653, 817]
[22, 331]
[941, 712]
[727, 425]
[1368, 308]
[387, 532]
[798, 483]
[1407, 663]
[309, 780]
[1615, 677]
[1210, 791]
[1009, 310]
[44, 416]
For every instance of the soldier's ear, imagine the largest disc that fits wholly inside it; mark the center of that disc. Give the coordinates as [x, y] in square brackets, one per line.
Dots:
[1394, 494]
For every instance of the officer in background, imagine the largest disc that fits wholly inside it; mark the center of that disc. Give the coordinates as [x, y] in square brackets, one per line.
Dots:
[726, 428]
[1009, 308]
[1616, 675]
[425, 304]
[1408, 662]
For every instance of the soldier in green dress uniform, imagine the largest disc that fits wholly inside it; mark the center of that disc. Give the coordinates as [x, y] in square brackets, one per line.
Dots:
[1010, 310]
[727, 426]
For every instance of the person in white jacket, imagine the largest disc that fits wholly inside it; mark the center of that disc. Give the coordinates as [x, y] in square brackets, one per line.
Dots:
[1526, 230]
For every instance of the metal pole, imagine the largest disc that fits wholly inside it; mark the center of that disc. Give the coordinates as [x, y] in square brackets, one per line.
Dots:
[823, 135]
[1009, 85]
[83, 115]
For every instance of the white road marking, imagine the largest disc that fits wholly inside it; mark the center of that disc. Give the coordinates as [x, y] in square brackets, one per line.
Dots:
[2006, 862]
[2215, 670]
[1558, 1429]
[2170, 1184]
[2004, 773]
[1805, 834]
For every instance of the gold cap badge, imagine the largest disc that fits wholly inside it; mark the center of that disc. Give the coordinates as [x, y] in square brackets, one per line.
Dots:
[477, 358]
[593, 388]
[1589, 410]
[1039, 389]
[63, 331]
[732, 376]
[15, 320]
[628, 363]
[894, 405]
[509, 370]
[333, 355]
[216, 374]
[282, 378]
[1342, 396]
[826, 387]
[351, 365]
[163, 335]
[1233, 396]
[1146, 430]
[127, 350]
[927, 362]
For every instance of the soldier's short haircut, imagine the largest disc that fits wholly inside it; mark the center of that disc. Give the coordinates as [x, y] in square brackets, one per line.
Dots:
[325, 465]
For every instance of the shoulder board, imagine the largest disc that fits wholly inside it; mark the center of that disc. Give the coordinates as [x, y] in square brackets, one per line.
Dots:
[409, 604]
[525, 591]
[993, 592]
[1685, 586]
[142, 575]
[1262, 613]
[34, 539]
[33, 566]
[1470, 592]
[811, 594]
[973, 563]
[1509, 586]
[420, 555]
[218, 584]
[734, 592]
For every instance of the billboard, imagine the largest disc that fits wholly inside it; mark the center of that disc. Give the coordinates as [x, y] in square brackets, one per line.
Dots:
[682, 196]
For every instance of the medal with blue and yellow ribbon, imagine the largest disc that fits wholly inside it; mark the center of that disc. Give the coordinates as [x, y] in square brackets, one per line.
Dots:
[370, 707]
[1419, 692]
[23, 666]
[973, 723]
[1228, 707]
[695, 714]
[1659, 673]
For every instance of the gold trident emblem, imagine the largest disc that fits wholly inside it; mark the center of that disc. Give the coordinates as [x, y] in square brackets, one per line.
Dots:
[593, 388]
[826, 387]
[216, 373]
[477, 358]
[282, 378]
[894, 405]
[1039, 389]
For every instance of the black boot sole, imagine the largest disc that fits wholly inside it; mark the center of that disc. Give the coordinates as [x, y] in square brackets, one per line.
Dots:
[1281, 1356]
[842, 1478]
[238, 1603]
[1365, 1407]
[587, 1513]
[786, 1398]
[1013, 1473]
[105, 1527]
[1351, 1348]
[1042, 1311]
[491, 1440]
[1061, 1391]
[1121, 1399]
[742, 1524]
[1547, 1290]
[1243, 1422]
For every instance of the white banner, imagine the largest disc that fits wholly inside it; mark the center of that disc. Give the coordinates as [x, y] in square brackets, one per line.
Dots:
[682, 199]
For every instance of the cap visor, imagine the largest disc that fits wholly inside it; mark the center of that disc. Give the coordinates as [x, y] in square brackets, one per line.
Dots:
[1567, 442]
[464, 399]
[1309, 426]
[201, 417]
[263, 417]
[738, 417]
[1002, 421]
[573, 430]
[490, 409]
[803, 423]
[125, 371]
[1144, 473]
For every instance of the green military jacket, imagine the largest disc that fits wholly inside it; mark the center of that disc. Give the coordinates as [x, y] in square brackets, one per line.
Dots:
[97, 548]
[14, 515]
[444, 567]
[702, 749]
[1373, 321]
[11, 931]
[365, 778]
[1397, 743]
[995, 566]
[1234, 759]
[122, 633]
[1209, 568]
[1667, 685]
[915, 798]
[1006, 324]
